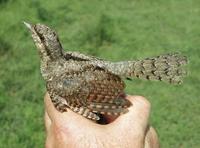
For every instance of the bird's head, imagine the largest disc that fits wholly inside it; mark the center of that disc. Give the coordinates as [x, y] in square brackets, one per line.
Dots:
[46, 40]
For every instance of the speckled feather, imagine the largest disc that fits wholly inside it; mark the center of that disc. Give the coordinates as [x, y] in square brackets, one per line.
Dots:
[91, 86]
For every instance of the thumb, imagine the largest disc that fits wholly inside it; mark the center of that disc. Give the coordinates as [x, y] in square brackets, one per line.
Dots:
[136, 120]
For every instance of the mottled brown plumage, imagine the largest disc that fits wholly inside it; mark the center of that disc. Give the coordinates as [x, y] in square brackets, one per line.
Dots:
[91, 86]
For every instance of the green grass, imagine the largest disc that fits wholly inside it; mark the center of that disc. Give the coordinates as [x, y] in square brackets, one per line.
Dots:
[110, 29]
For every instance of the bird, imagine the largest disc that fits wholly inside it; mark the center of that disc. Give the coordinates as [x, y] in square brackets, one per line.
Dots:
[91, 86]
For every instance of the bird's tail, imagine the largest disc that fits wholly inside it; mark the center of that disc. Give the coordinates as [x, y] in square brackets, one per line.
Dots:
[168, 68]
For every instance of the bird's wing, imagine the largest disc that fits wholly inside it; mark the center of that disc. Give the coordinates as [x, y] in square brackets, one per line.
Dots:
[80, 56]
[106, 93]
[92, 87]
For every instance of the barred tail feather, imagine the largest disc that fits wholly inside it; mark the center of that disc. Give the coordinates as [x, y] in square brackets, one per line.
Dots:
[168, 68]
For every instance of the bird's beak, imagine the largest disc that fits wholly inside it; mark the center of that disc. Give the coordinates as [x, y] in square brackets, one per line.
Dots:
[29, 26]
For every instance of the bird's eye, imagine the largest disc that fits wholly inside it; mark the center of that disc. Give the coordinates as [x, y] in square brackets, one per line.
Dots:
[41, 37]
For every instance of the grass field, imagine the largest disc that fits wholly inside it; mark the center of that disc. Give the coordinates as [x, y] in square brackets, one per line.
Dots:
[110, 29]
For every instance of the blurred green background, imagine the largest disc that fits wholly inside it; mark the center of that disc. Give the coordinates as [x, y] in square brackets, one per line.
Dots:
[110, 29]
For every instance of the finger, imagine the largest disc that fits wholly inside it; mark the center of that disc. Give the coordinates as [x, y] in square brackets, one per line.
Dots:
[50, 141]
[47, 122]
[139, 111]
[151, 139]
[49, 107]
[137, 117]
[67, 118]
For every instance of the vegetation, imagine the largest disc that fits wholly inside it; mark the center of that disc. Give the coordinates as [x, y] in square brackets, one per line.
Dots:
[110, 29]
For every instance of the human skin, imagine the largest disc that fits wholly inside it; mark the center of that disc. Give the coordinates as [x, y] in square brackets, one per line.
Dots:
[70, 130]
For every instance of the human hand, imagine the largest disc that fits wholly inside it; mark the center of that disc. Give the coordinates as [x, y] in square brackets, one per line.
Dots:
[70, 130]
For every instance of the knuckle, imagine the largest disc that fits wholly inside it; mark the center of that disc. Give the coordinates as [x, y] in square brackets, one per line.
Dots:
[59, 128]
[58, 132]
[144, 102]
